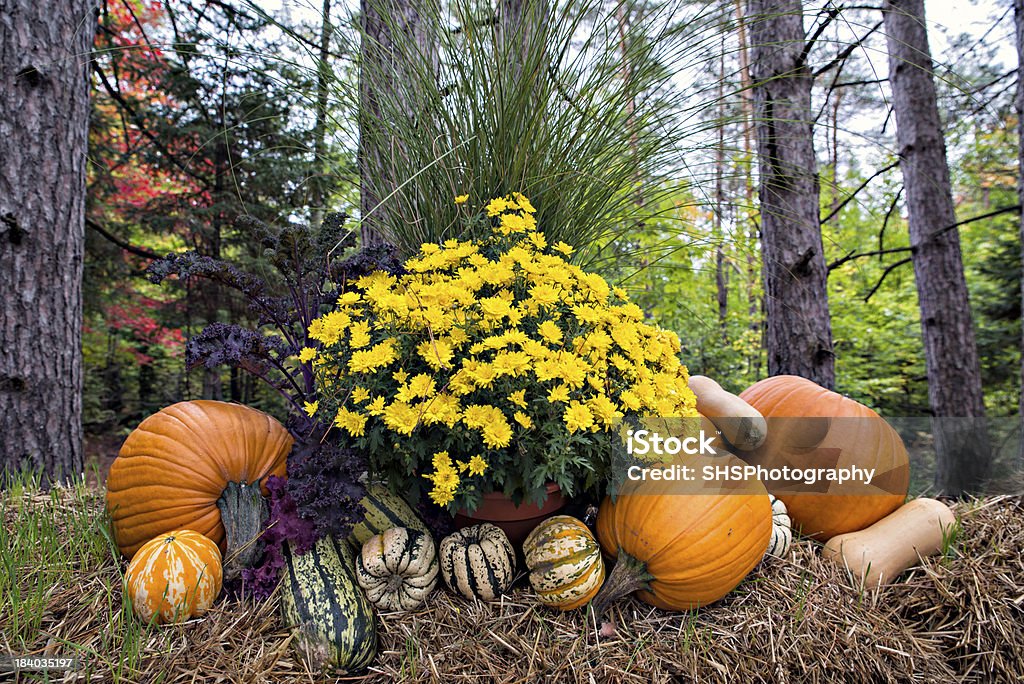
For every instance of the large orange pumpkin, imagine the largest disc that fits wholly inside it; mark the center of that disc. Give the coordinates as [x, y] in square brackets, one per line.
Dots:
[195, 465]
[678, 548]
[812, 427]
[174, 577]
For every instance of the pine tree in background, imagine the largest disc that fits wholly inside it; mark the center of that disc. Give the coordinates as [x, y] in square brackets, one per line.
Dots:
[799, 330]
[44, 116]
[951, 353]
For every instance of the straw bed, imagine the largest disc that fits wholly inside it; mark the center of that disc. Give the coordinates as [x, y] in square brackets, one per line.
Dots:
[957, 618]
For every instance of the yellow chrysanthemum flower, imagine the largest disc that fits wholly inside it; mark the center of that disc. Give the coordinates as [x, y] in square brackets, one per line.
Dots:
[518, 398]
[461, 199]
[477, 465]
[577, 417]
[559, 393]
[354, 423]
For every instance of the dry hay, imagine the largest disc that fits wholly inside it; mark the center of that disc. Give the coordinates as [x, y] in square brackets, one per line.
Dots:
[957, 618]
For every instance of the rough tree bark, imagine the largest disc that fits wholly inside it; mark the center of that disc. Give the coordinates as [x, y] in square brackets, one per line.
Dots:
[799, 331]
[951, 354]
[44, 116]
[390, 29]
[1018, 20]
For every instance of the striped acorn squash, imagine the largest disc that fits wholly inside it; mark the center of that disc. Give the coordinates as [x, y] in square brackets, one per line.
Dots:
[398, 569]
[331, 618]
[782, 530]
[384, 511]
[478, 562]
[564, 559]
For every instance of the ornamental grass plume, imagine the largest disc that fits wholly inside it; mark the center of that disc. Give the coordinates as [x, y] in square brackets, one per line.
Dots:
[491, 365]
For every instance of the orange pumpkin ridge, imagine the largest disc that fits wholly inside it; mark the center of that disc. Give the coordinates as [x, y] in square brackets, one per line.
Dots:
[196, 465]
[845, 433]
[682, 550]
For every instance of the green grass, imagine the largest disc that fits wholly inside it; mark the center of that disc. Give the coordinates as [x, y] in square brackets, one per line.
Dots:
[56, 549]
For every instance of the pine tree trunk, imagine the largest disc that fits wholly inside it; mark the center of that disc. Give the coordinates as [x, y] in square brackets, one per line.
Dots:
[44, 117]
[951, 354]
[390, 29]
[754, 303]
[799, 331]
[323, 72]
[1018, 17]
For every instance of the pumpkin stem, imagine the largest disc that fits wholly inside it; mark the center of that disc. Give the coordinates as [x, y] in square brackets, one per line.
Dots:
[243, 510]
[628, 575]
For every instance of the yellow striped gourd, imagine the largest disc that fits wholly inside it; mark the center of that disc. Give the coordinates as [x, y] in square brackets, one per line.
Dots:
[566, 569]
[321, 602]
[384, 511]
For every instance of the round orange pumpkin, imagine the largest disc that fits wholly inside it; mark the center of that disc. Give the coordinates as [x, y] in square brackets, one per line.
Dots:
[196, 465]
[812, 427]
[678, 548]
[174, 577]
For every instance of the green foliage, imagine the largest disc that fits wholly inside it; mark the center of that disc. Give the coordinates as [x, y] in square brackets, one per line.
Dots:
[562, 107]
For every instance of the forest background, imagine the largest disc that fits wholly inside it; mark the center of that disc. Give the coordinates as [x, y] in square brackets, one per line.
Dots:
[205, 112]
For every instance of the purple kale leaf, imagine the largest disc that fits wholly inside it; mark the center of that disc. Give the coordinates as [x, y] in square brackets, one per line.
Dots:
[323, 482]
[283, 524]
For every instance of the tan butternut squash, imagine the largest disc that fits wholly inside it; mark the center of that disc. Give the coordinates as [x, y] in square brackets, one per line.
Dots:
[879, 553]
[741, 424]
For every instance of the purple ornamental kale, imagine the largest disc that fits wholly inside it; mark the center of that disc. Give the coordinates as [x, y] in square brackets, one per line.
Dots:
[284, 524]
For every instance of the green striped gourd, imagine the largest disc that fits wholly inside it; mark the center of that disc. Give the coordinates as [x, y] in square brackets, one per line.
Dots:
[564, 559]
[331, 618]
[478, 562]
[782, 530]
[397, 569]
[384, 510]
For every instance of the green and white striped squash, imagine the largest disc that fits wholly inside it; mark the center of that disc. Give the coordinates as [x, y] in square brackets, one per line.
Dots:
[397, 569]
[566, 569]
[782, 530]
[328, 613]
[478, 562]
[384, 510]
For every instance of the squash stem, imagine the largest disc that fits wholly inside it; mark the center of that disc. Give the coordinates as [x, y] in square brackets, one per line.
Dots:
[243, 510]
[629, 574]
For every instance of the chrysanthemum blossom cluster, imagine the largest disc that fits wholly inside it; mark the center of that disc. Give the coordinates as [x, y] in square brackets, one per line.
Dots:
[492, 365]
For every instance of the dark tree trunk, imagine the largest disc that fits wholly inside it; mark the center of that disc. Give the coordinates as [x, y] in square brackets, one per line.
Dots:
[754, 303]
[317, 196]
[799, 331]
[390, 29]
[951, 355]
[1018, 17]
[721, 284]
[44, 118]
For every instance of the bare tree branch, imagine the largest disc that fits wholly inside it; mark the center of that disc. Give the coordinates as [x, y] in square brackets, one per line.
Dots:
[857, 255]
[126, 246]
[847, 51]
[888, 269]
[846, 200]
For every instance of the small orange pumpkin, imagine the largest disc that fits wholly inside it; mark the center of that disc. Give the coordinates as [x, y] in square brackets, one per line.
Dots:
[680, 549]
[812, 427]
[195, 465]
[174, 577]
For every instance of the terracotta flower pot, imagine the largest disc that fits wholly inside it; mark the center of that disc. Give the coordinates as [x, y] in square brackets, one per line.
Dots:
[515, 521]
